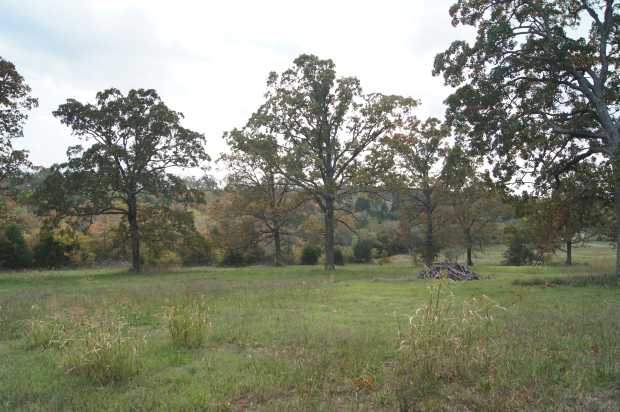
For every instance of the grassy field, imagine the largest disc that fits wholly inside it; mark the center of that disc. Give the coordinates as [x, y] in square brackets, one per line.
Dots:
[367, 337]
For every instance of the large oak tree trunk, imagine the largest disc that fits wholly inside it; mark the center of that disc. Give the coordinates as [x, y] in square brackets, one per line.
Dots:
[329, 234]
[277, 247]
[569, 252]
[617, 203]
[134, 234]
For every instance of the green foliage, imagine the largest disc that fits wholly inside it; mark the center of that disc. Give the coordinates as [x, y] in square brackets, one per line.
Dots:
[537, 91]
[311, 113]
[363, 250]
[519, 251]
[528, 57]
[339, 257]
[187, 324]
[15, 103]
[124, 166]
[310, 254]
[51, 252]
[160, 260]
[390, 242]
[233, 258]
[196, 250]
[257, 185]
[408, 162]
[14, 251]
[104, 352]
[362, 204]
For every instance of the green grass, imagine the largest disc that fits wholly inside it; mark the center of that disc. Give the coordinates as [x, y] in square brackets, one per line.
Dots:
[296, 338]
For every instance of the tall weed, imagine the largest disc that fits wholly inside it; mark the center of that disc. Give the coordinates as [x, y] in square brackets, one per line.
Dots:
[104, 352]
[444, 343]
[187, 324]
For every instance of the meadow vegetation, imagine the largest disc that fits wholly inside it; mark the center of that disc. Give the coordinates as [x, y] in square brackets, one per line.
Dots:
[365, 337]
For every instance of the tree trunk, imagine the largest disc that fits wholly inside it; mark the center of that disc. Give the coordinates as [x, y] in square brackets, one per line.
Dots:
[134, 233]
[469, 240]
[329, 233]
[569, 252]
[617, 203]
[277, 247]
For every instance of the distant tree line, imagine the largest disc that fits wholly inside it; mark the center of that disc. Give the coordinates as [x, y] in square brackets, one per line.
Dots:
[323, 171]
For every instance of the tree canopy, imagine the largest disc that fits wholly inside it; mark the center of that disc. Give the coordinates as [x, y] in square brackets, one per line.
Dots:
[15, 103]
[261, 190]
[539, 88]
[409, 161]
[323, 126]
[135, 142]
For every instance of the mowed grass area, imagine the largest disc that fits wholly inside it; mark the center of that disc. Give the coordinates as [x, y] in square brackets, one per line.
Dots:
[366, 337]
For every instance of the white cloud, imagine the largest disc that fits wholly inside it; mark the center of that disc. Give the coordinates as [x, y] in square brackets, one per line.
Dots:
[210, 60]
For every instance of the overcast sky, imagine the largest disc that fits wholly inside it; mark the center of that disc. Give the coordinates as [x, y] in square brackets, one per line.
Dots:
[209, 59]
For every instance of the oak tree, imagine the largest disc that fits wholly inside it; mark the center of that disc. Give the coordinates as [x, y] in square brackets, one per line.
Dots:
[260, 190]
[135, 143]
[15, 103]
[539, 89]
[324, 125]
[472, 203]
[410, 160]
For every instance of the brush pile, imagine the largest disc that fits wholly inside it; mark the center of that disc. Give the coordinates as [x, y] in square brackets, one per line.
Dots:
[448, 270]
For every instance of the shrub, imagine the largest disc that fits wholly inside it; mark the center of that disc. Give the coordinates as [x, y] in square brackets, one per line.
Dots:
[362, 250]
[196, 250]
[391, 243]
[384, 259]
[234, 258]
[162, 260]
[338, 257]
[51, 253]
[14, 251]
[187, 324]
[519, 251]
[310, 255]
[105, 353]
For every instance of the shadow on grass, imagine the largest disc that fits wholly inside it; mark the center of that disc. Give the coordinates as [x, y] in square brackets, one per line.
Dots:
[605, 280]
[71, 277]
[66, 278]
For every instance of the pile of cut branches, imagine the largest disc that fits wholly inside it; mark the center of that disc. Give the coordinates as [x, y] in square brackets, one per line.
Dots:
[448, 270]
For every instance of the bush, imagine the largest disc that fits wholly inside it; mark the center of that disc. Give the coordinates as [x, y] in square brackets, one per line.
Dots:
[519, 251]
[104, 354]
[187, 325]
[390, 243]
[310, 255]
[362, 250]
[196, 250]
[14, 251]
[338, 257]
[234, 258]
[52, 253]
[162, 260]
